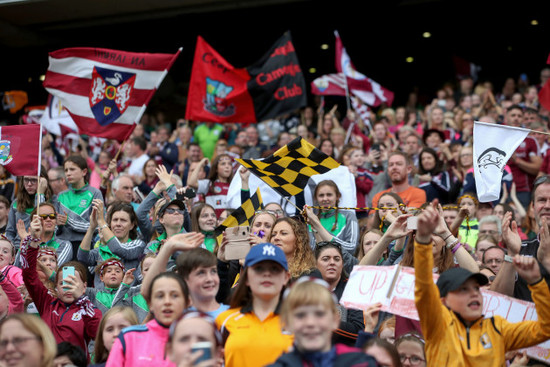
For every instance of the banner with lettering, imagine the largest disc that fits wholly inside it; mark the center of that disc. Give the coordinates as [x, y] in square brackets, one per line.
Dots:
[269, 88]
[393, 286]
[105, 91]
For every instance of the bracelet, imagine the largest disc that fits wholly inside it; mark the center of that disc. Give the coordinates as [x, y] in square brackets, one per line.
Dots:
[446, 238]
[450, 245]
[103, 226]
[455, 249]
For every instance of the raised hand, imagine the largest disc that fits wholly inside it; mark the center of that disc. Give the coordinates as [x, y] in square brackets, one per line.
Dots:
[163, 175]
[185, 241]
[371, 315]
[36, 227]
[510, 236]
[427, 223]
[527, 268]
[129, 276]
[398, 228]
[21, 230]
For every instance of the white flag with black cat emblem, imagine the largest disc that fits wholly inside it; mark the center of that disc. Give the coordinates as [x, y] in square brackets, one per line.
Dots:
[493, 146]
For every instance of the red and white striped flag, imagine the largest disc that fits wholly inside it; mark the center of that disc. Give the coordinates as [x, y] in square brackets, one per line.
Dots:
[106, 91]
[329, 85]
[363, 87]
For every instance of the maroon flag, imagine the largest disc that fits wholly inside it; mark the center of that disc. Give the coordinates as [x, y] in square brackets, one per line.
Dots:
[106, 91]
[544, 93]
[329, 85]
[20, 148]
[363, 87]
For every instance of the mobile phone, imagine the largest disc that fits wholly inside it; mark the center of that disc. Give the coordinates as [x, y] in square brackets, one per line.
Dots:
[139, 194]
[206, 348]
[238, 244]
[412, 223]
[375, 146]
[67, 270]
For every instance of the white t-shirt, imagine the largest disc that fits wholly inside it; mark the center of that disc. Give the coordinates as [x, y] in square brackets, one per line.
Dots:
[136, 167]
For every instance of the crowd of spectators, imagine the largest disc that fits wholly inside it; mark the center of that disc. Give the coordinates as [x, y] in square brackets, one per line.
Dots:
[113, 245]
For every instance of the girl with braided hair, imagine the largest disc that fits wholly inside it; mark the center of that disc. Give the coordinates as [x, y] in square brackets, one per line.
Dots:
[332, 224]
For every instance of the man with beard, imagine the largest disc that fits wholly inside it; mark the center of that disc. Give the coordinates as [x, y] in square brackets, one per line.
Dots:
[506, 281]
[399, 168]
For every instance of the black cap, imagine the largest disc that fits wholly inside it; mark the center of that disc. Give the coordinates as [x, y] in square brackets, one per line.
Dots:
[453, 278]
[177, 202]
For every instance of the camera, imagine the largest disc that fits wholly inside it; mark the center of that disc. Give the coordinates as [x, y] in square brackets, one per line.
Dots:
[188, 194]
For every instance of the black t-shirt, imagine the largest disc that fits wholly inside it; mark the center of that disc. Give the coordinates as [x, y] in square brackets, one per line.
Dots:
[521, 291]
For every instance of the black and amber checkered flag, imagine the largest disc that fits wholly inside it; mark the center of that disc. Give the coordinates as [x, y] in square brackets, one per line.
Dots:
[288, 170]
[240, 216]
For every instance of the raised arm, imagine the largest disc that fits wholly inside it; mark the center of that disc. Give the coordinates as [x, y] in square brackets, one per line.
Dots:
[506, 278]
[179, 242]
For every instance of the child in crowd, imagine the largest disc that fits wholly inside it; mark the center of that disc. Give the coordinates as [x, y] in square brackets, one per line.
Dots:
[131, 296]
[71, 315]
[215, 187]
[112, 323]
[144, 345]
[458, 334]
[7, 257]
[469, 225]
[252, 326]
[310, 312]
[193, 327]
[111, 274]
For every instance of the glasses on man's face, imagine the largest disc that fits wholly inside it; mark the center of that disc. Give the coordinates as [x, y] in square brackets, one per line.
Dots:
[30, 181]
[414, 360]
[51, 216]
[174, 210]
[17, 342]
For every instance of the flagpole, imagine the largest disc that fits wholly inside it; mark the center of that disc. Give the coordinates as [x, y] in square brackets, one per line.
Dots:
[39, 168]
[512, 127]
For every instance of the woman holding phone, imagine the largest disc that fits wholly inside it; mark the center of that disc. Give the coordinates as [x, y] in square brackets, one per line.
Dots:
[71, 315]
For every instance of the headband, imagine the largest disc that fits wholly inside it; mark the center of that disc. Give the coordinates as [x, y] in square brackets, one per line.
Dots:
[109, 263]
[46, 251]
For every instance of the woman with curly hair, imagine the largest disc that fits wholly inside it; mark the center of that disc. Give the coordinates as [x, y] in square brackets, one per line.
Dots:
[292, 237]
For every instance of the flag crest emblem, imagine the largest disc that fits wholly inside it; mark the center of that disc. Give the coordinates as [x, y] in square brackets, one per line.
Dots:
[110, 93]
[5, 156]
[215, 101]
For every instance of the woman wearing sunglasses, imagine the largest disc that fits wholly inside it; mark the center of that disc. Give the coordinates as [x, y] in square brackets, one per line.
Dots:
[31, 191]
[48, 216]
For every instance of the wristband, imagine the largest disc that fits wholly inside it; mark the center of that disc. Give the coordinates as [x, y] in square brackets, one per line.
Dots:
[508, 258]
[455, 249]
[452, 244]
[446, 238]
[103, 226]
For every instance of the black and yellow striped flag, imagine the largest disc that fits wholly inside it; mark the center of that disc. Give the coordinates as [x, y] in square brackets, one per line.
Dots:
[288, 170]
[240, 216]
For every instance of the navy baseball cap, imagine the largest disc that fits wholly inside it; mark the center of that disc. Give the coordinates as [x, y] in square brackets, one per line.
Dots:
[450, 280]
[265, 252]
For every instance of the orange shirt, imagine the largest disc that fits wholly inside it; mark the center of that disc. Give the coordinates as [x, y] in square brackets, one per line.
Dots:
[413, 197]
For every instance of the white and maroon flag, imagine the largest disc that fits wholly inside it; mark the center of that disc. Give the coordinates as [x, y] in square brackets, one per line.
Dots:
[329, 85]
[360, 85]
[20, 149]
[106, 91]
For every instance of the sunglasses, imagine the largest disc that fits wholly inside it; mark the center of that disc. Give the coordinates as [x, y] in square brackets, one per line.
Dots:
[174, 210]
[48, 216]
